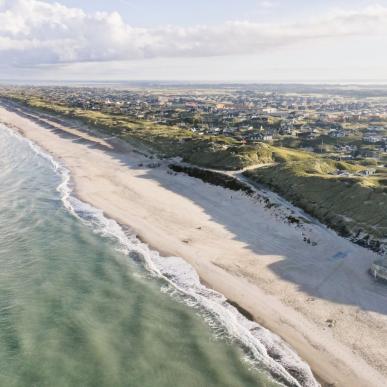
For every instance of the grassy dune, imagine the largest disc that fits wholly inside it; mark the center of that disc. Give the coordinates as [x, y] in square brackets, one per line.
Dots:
[352, 205]
[282, 155]
[168, 141]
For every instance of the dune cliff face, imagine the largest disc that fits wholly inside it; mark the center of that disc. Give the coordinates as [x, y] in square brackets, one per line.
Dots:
[355, 207]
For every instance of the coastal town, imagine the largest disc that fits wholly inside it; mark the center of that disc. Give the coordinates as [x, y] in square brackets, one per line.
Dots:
[269, 219]
[303, 142]
[332, 123]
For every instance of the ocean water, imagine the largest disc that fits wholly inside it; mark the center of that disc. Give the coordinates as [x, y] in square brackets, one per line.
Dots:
[84, 303]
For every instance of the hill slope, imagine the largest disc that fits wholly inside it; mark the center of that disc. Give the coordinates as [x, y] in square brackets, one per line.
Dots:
[352, 205]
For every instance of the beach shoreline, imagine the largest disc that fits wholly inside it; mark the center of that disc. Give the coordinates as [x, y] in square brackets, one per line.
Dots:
[194, 228]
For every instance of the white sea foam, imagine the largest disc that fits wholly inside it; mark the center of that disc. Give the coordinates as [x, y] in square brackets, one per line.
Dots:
[263, 349]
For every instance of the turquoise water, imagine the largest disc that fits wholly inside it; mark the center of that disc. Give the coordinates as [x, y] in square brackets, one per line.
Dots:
[75, 311]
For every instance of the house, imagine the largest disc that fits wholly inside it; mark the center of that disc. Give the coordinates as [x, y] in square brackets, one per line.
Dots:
[376, 128]
[336, 133]
[267, 137]
[287, 127]
[372, 138]
[367, 172]
[369, 153]
[310, 135]
[260, 137]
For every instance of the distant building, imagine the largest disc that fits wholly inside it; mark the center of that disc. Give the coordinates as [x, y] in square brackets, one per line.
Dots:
[336, 133]
[372, 138]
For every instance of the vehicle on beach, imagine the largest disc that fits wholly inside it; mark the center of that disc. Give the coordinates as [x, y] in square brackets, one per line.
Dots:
[379, 269]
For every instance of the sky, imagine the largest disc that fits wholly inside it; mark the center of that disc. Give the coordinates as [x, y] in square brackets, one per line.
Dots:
[200, 40]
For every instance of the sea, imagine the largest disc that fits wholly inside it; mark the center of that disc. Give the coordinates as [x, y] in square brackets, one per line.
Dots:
[83, 302]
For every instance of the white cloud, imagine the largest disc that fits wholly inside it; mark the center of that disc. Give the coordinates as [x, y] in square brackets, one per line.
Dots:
[33, 32]
[266, 4]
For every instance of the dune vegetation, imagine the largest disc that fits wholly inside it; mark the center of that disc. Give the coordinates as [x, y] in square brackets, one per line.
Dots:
[333, 192]
[167, 141]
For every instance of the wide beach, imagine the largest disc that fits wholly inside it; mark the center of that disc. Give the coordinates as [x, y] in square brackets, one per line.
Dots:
[317, 296]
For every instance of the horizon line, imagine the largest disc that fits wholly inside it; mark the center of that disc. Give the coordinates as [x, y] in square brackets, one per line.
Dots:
[365, 82]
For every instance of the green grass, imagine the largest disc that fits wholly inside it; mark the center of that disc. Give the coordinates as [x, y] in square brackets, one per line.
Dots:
[167, 141]
[326, 142]
[348, 204]
[282, 155]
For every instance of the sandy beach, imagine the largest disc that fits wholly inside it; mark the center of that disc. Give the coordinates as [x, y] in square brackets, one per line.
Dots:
[317, 296]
